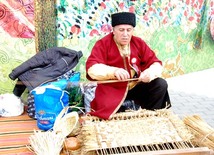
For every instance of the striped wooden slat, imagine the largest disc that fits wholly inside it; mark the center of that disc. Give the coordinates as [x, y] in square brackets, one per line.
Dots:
[16, 151]
[24, 116]
[14, 140]
[14, 134]
[17, 126]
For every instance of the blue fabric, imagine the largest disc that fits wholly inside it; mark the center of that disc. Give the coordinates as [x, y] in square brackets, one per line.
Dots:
[68, 82]
[48, 104]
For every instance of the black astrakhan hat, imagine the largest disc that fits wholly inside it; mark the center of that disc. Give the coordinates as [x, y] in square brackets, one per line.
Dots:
[123, 18]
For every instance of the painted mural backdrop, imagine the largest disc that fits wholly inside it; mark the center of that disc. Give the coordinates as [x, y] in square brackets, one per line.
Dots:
[17, 37]
[177, 30]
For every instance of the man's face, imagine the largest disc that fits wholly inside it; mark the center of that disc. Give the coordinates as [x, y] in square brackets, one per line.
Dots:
[123, 33]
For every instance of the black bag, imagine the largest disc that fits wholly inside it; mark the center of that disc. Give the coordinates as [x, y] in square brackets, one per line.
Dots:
[31, 106]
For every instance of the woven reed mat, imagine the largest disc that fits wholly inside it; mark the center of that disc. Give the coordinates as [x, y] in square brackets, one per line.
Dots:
[14, 134]
[135, 131]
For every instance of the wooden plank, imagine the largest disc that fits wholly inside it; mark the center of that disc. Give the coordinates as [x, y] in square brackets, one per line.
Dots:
[14, 140]
[16, 151]
[24, 116]
[17, 126]
[14, 134]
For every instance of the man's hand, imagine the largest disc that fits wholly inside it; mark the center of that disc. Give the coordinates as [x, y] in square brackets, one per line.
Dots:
[121, 74]
[145, 76]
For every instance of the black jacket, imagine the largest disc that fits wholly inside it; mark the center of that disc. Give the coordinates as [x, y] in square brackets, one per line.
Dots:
[46, 66]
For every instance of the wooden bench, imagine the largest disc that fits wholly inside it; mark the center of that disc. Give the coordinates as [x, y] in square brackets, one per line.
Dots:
[14, 134]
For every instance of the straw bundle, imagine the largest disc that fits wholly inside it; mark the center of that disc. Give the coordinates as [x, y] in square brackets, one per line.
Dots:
[203, 133]
[46, 143]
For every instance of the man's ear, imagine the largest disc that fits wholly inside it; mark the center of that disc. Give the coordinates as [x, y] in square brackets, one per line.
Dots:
[113, 30]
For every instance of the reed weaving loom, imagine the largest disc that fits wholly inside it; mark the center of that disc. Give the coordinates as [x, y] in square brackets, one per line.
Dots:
[140, 132]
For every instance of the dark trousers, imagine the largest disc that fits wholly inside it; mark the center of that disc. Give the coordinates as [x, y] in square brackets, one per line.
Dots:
[152, 95]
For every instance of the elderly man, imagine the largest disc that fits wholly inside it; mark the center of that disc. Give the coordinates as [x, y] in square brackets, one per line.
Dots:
[134, 67]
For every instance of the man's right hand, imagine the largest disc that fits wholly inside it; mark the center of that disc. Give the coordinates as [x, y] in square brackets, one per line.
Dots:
[121, 74]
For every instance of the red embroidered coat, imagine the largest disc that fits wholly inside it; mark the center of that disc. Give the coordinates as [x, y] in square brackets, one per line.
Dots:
[109, 97]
